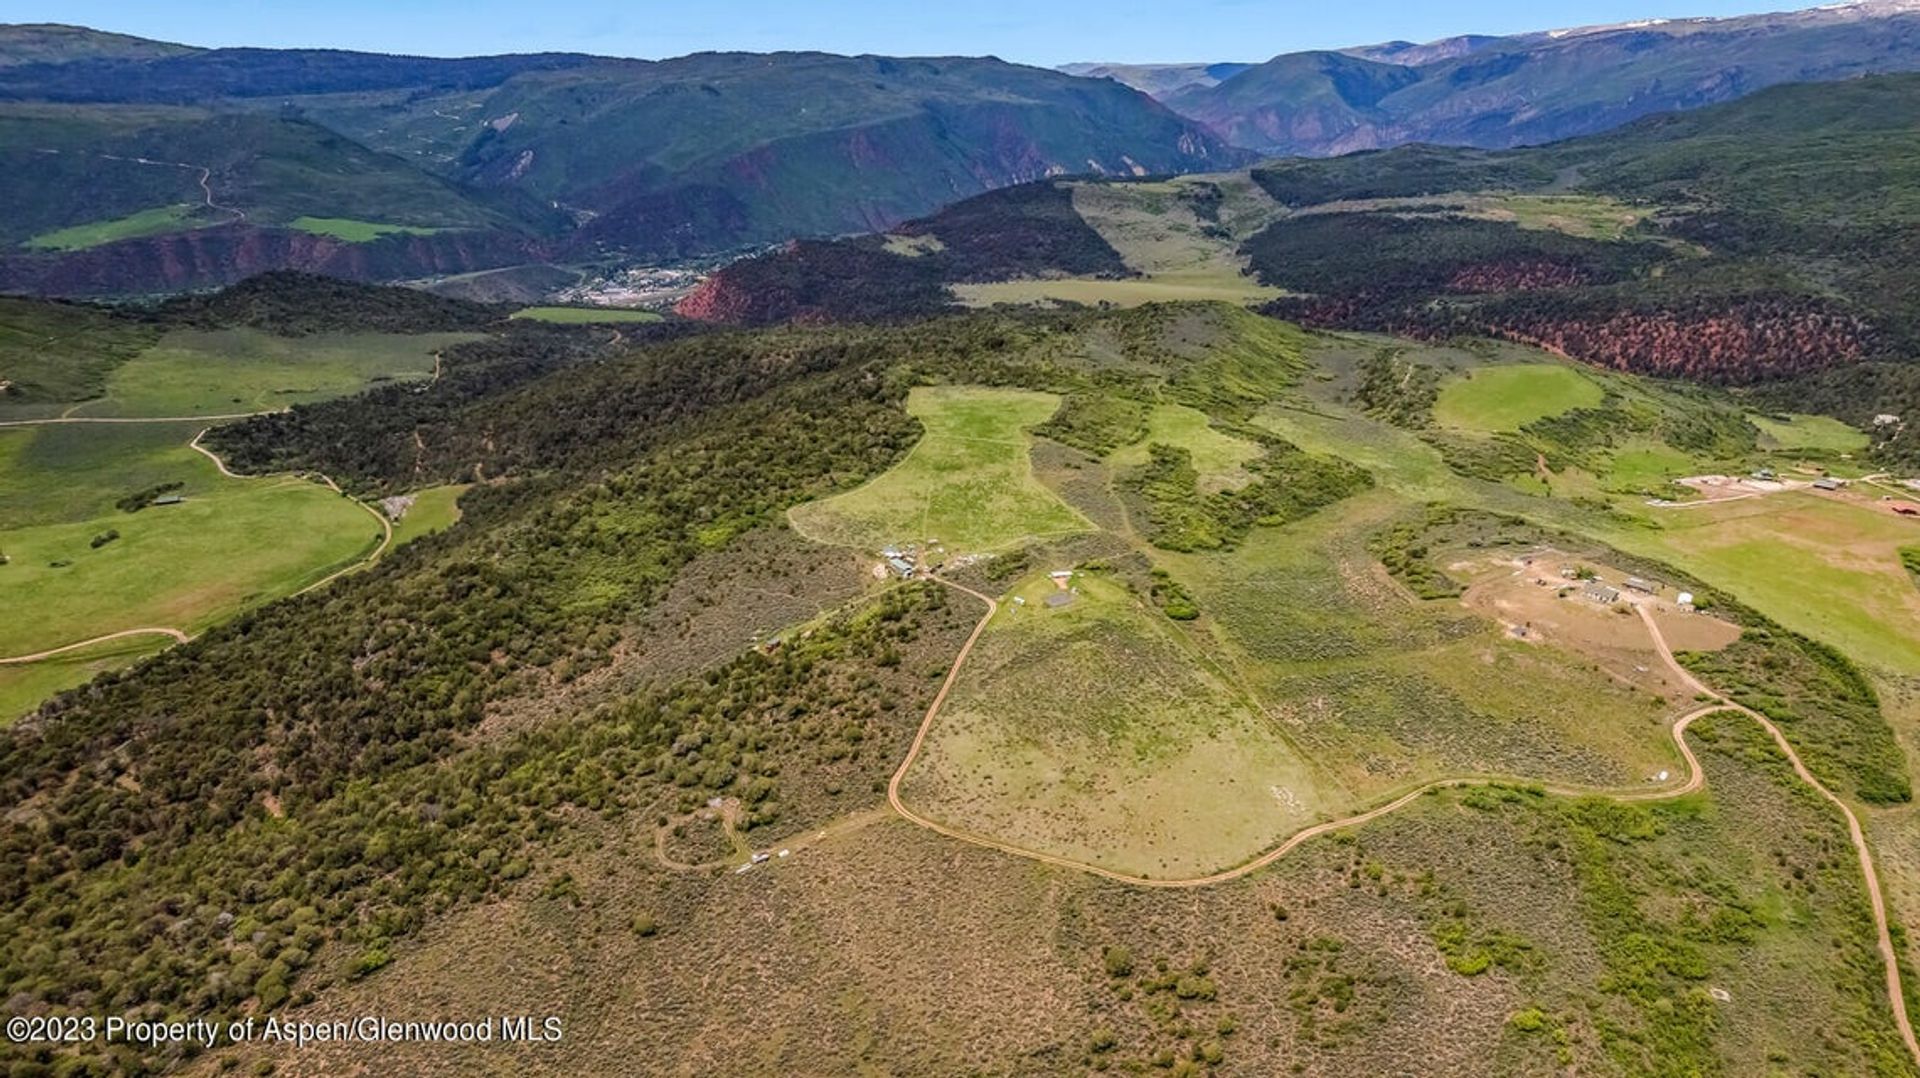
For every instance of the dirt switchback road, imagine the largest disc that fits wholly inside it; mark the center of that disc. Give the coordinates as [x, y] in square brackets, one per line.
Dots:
[1712, 703]
[1889, 957]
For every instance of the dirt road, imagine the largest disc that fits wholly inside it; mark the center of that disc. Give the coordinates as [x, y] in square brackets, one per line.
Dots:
[178, 636]
[1889, 957]
[1695, 780]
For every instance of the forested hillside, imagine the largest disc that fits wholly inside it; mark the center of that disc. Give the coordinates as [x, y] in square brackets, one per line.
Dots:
[181, 168]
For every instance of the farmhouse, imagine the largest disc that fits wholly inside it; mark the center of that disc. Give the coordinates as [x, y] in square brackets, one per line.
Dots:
[1827, 482]
[1600, 593]
[1644, 587]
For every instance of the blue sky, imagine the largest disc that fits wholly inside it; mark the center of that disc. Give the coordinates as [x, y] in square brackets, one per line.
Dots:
[1029, 31]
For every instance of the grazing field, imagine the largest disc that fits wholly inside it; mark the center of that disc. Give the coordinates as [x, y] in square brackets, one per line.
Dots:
[153, 222]
[967, 483]
[1507, 398]
[587, 315]
[1220, 459]
[354, 231]
[431, 510]
[1820, 565]
[1649, 467]
[217, 372]
[1091, 731]
[1817, 433]
[24, 686]
[229, 544]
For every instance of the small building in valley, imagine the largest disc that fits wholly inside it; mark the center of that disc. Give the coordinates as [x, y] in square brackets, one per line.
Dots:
[1644, 587]
[901, 567]
[1600, 593]
[1827, 482]
[169, 499]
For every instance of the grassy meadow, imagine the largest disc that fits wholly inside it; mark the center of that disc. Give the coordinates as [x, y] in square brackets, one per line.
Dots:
[1507, 398]
[230, 544]
[967, 483]
[1825, 567]
[434, 509]
[1220, 459]
[1816, 433]
[149, 222]
[357, 231]
[216, 372]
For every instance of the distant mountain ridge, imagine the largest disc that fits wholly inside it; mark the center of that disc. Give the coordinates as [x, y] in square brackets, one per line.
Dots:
[463, 164]
[1531, 88]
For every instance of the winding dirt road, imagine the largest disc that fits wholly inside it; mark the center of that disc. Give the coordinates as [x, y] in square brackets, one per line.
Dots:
[1695, 780]
[178, 638]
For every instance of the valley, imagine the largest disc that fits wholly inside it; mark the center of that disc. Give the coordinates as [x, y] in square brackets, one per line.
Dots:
[867, 564]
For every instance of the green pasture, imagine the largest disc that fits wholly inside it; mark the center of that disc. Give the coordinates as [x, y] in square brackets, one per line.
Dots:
[1509, 397]
[1220, 459]
[149, 222]
[968, 482]
[434, 509]
[1816, 433]
[1822, 566]
[1384, 692]
[230, 544]
[357, 231]
[217, 372]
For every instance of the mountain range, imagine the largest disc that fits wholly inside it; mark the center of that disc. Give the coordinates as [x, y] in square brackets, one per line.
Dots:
[136, 166]
[1479, 90]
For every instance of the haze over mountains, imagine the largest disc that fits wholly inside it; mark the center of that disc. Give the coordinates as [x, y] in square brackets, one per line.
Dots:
[136, 166]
